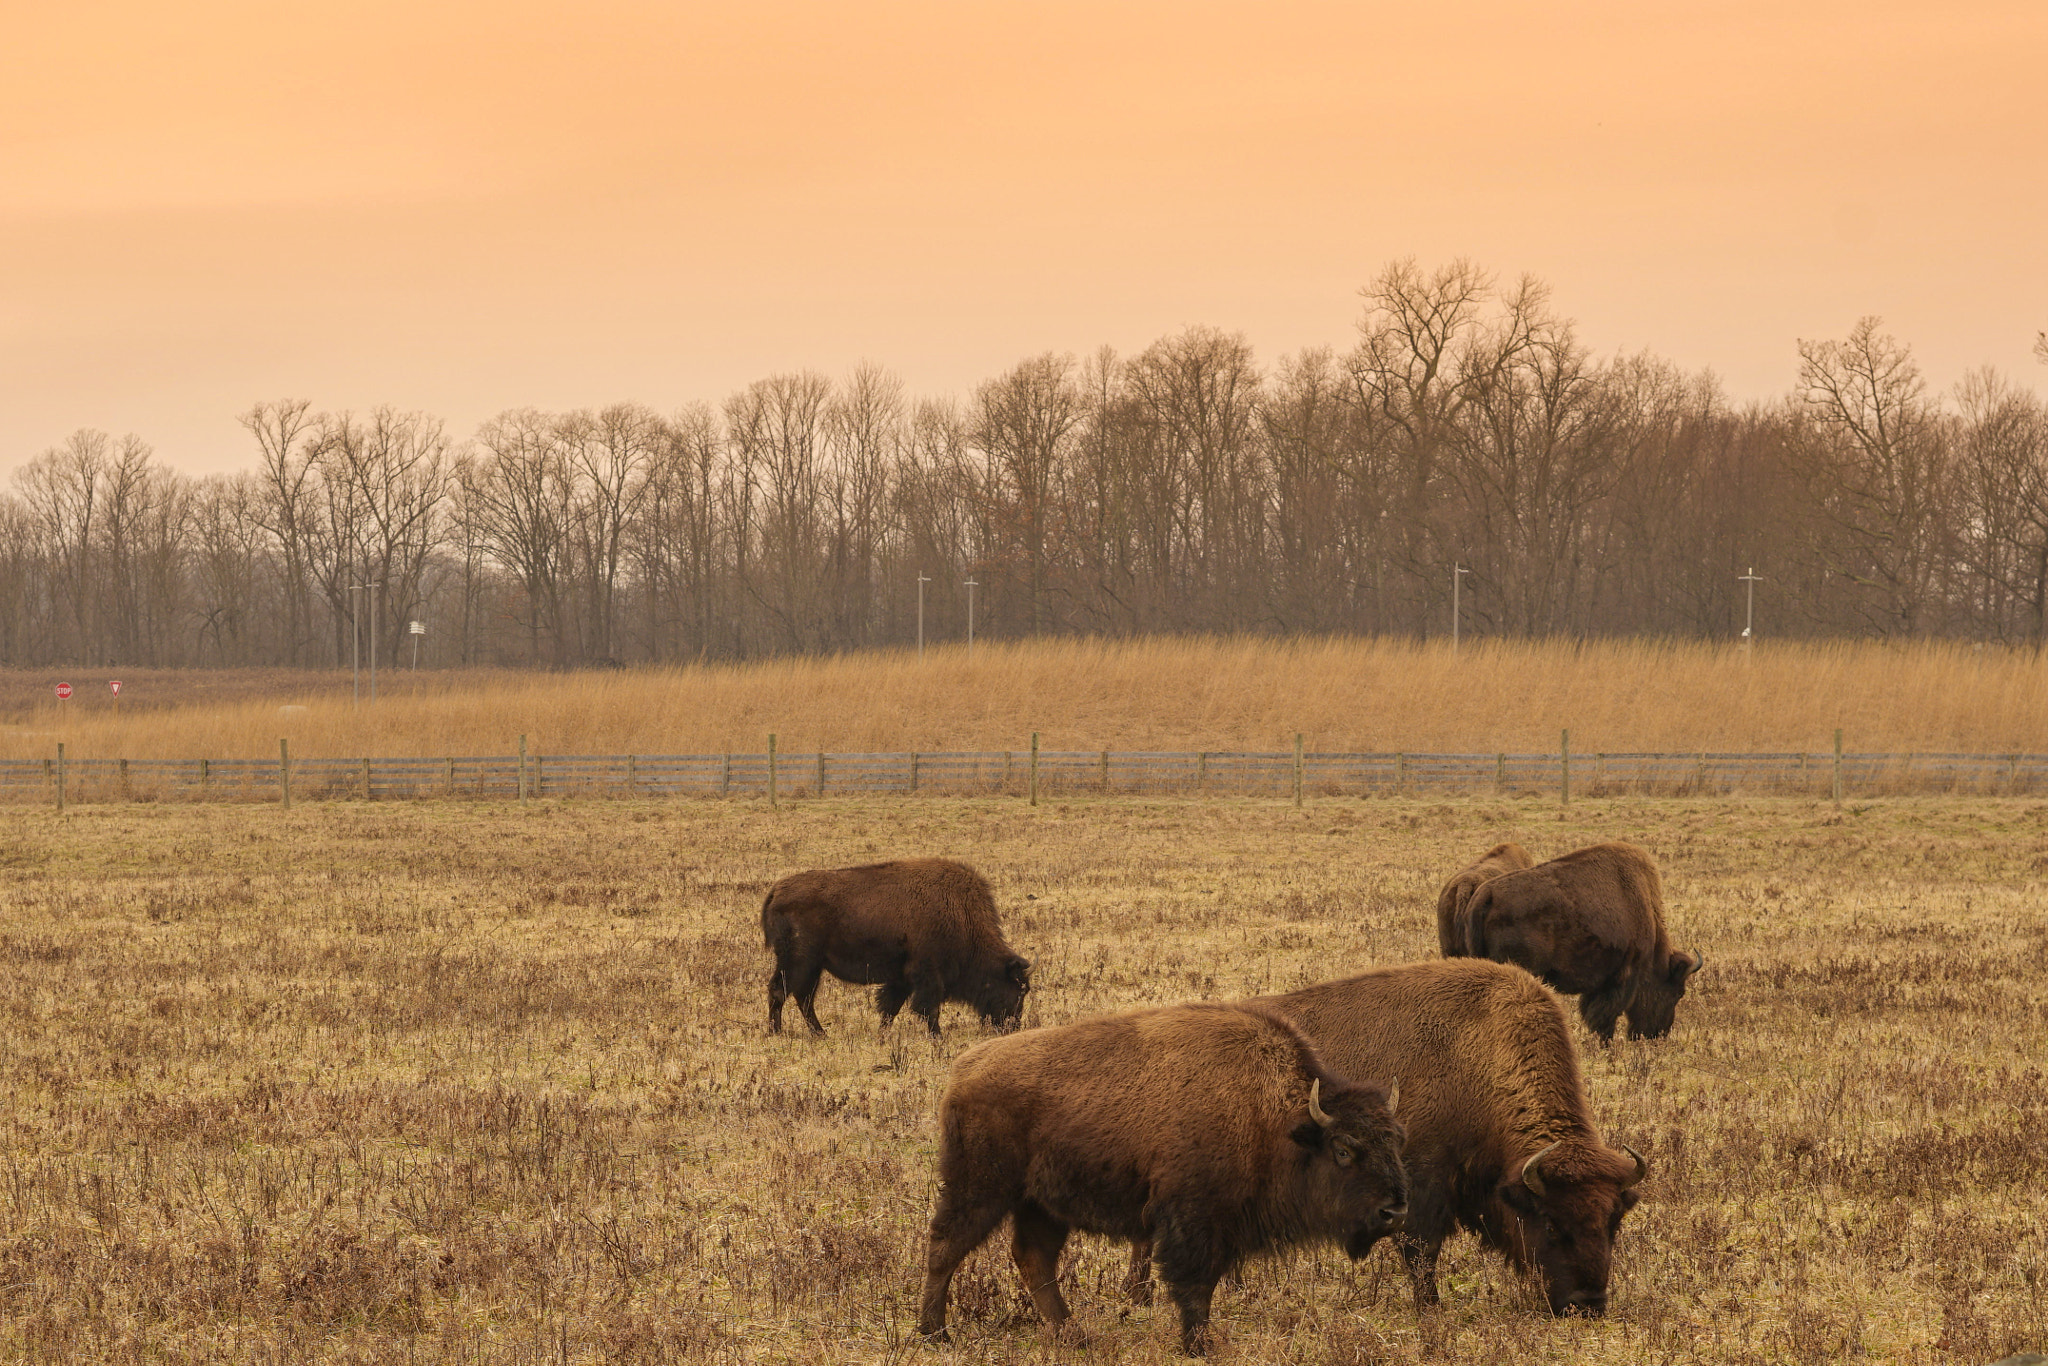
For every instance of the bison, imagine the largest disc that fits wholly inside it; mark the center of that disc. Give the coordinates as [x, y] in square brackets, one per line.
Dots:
[1211, 1131]
[1450, 902]
[920, 930]
[1591, 924]
[1499, 1140]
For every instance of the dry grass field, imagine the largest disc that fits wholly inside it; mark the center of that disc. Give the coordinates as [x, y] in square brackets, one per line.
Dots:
[453, 1082]
[1180, 694]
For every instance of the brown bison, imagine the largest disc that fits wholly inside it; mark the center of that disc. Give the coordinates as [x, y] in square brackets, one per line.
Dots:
[1591, 924]
[1499, 1140]
[1213, 1131]
[1450, 902]
[921, 930]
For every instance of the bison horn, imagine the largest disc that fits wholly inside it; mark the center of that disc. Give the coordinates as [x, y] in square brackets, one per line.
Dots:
[1315, 1108]
[1642, 1167]
[1394, 1096]
[1699, 960]
[1529, 1176]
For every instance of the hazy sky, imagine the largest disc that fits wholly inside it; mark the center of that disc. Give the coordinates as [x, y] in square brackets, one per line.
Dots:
[466, 207]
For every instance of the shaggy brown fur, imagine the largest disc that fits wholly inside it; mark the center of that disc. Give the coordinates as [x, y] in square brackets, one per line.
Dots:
[1488, 1079]
[921, 930]
[1591, 924]
[1189, 1126]
[1451, 901]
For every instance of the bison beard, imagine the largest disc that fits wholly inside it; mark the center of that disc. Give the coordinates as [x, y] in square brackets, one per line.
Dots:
[921, 931]
[1212, 1131]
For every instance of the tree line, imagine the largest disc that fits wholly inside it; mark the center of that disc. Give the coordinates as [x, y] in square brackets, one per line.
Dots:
[1469, 444]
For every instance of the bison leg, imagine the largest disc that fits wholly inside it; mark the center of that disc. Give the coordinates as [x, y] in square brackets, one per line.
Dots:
[1191, 1261]
[803, 985]
[777, 994]
[925, 999]
[1036, 1240]
[957, 1229]
[1420, 1258]
[1138, 1280]
[889, 999]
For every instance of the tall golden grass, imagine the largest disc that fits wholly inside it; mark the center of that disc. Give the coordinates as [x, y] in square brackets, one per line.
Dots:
[1167, 694]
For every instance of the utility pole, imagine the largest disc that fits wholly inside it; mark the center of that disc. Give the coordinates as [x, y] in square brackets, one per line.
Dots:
[921, 582]
[375, 600]
[1749, 579]
[1458, 573]
[355, 640]
[971, 586]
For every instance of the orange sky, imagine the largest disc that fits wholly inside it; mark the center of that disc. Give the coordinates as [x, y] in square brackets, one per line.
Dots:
[466, 207]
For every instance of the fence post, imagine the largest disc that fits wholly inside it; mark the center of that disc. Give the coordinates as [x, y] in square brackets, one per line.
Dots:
[725, 776]
[632, 777]
[451, 774]
[1297, 768]
[913, 773]
[1838, 768]
[284, 770]
[205, 772]
[126, 794]
[366, 777]
[1500, 772]
[60, 777]
[821, 770]
[1400, 772]
[1105, 771]
[1034, 768]
[522, 770]
[2012, 774]
[771, 768]
[1564, 766]
[1202, 773]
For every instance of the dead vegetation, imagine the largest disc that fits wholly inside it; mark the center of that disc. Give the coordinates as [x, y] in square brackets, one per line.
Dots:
[455, 1083]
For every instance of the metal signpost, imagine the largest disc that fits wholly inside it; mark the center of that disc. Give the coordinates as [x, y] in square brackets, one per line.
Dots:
[1749, 579]
[416, 629]
[1458, 573]
[971, 586]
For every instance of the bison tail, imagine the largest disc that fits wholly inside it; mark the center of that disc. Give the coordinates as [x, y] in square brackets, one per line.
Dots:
[1474, 926]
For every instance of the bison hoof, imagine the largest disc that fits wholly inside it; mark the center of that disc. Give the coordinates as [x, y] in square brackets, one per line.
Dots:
[935, 1337]
[1066, 1334]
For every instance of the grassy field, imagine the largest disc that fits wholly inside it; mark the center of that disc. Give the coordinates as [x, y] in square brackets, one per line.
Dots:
[1182, 694]
[451, 1082]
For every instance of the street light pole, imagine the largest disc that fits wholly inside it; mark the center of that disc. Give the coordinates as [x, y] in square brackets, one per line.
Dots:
[1458, 573]
[971, 586]
[1749, 580]
[921, 582]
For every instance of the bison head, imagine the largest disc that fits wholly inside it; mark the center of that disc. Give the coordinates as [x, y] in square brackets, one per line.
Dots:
[1567, 1202]
[999, 998]
[1656, 1001]
[1353, 1183]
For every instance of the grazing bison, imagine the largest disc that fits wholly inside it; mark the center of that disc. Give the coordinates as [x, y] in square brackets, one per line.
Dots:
[921, 930]
[1591, 924]
[1211, 1130]
[1499, 1140]
[1450, 902]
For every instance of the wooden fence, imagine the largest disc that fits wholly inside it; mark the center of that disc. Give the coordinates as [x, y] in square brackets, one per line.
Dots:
[1024, 773]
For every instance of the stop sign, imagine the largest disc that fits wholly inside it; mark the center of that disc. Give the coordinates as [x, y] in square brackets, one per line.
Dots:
[63, 691]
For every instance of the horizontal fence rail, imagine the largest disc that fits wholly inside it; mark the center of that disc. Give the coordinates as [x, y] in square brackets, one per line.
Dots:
[1021, 772]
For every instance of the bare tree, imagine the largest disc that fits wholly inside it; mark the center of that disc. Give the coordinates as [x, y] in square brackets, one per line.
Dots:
[288, 510]
[1022, 423]
[517, 491]
[1878, 469]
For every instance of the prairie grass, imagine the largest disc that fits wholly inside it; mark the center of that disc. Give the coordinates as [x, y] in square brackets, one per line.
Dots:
[452, 1082]
[1161, 693]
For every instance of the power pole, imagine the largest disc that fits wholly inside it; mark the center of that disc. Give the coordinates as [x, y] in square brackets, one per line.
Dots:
[971, 586]
[1458, 573]
[921, 582]
[1749, 579]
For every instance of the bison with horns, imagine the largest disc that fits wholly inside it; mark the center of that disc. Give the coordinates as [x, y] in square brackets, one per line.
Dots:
[1499, 1138]
[1210, 1131]
[1590, 924]
[922, 931]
